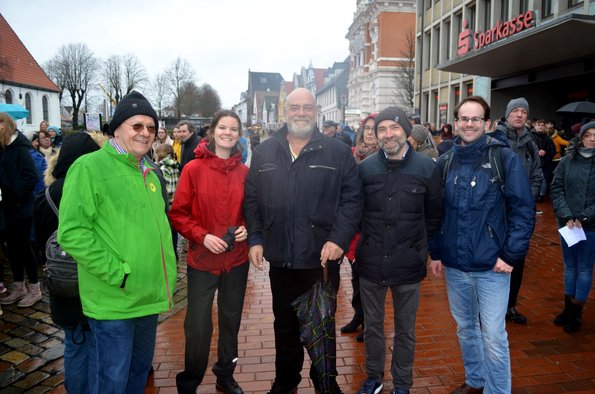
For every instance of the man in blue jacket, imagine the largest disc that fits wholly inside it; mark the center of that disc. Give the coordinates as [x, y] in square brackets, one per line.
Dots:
[303, 203]
[486, 228]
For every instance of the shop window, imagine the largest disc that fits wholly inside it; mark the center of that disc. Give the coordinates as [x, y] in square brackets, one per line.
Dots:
[469, 88]
[457, 95]
[46, 107]
[8, 97]
[546, 8]
[29, 108]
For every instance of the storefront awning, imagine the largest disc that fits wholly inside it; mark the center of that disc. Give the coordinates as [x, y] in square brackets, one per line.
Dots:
[552, 42]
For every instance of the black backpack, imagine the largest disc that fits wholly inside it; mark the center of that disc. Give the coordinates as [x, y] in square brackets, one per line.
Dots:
[61, 273]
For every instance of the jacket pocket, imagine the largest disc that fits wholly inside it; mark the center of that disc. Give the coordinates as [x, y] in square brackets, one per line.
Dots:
[412, 199]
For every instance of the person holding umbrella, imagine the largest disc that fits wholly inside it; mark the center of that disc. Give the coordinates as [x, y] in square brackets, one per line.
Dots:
[303, 203]
[403, 207]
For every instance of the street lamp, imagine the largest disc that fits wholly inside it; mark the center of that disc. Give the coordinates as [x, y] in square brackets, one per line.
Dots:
[343, 104]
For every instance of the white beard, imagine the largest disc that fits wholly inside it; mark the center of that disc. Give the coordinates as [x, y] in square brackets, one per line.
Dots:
[300, 132]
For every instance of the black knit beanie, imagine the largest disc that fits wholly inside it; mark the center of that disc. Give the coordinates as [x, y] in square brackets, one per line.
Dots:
[396, 114]
[132, 104]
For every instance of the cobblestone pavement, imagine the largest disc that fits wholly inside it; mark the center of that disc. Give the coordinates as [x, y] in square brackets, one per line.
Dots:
[544, 358]
[31, 346]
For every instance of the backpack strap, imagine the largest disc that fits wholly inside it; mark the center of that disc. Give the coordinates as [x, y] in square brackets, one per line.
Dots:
[447, 162]
[495, 157]
[49, 199]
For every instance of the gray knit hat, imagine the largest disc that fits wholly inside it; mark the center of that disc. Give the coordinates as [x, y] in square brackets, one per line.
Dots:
[584, 128]
[420, 133]
[396, 114]
[520, 102]
[132, 104]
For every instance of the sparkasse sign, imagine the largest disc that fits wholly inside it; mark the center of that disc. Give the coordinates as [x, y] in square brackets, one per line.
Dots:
[502, 30]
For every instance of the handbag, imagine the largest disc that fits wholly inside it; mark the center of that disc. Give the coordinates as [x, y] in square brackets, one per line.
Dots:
[61, 273]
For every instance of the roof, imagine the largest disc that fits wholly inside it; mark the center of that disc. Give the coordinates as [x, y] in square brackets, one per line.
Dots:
[319, 75]
[20, 66]
[262, 81]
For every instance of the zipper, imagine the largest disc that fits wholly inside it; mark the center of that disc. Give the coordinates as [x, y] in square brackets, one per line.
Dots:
[322, 166]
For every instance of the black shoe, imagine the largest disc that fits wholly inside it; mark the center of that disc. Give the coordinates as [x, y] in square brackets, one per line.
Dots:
[359, 337]
[514, 316]
[280, 389]
[353, 325]
[229, 386]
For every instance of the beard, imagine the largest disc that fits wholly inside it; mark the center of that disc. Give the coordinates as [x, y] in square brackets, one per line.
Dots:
[392, 150]
[299, 131]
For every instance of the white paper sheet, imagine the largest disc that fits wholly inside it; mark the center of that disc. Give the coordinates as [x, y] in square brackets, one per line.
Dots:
[572, 236]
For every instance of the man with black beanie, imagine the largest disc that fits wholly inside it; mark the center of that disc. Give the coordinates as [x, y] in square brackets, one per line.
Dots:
[113, 223]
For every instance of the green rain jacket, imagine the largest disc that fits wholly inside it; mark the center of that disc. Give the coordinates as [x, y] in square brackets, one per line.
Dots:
[112, 222]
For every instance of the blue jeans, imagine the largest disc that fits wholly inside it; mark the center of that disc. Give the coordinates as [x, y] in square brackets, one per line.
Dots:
[124, 353]
[478, 303]
[80, 368]
[578, 267]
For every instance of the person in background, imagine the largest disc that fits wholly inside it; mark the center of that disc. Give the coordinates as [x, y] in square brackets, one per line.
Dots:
[177, 144]
[447, 139]
[573, 197]
[515, 132]
[189, 139]
[485, 233]
[170, 169]
[43, 125]
[121, 242]
[546, 152]
[161, 138]
[207, 210]
[304, 175]
[79, 342]
[366, 145]
[559, 143]
[18, 178]
[56, 135]
[330, 130]
[392, 251]
[419, 141]
[45, 145]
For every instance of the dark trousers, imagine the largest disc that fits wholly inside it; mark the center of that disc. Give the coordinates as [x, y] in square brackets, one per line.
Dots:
[356, 300]
[286, 285]
[198, 325]
[18, 244]
[516, 278]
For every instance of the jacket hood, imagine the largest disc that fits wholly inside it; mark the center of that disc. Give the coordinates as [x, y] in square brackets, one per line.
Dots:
[202, 152]
[73, 147]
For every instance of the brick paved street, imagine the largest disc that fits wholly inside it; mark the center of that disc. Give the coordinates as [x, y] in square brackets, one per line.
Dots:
[544, 358]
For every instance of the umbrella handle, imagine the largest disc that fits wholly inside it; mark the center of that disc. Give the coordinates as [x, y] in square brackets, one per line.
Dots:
[325, 274]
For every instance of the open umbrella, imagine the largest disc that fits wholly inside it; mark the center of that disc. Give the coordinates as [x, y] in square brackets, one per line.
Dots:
[14, 110]
[315, 310]
[578, 107]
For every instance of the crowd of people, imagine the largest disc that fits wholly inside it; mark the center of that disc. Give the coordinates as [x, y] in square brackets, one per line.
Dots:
[388, 198]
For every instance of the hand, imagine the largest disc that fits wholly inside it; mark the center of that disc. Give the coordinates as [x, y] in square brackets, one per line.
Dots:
[255, 256]
[541, 153]
[214, 244]
[436, 268]
[571, 223]
[330, 251]
[241, 234]
[502, 267]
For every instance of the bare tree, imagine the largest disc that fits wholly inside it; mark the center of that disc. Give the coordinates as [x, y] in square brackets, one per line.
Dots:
[405, 75]
[179, 74]
[122, 75]
[75, 69]
[208, 100]
[189, 101]
[54, 72]
[159, 93]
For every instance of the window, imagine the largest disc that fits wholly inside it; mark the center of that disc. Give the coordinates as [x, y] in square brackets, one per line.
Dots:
[546, 8]
[46, 108]
[8, 97]
[523, 6]
[436, 47]
[574, 3]
[426, 54]
[447, 43]
[471, 16]
[487, 20]
[504, 9]
[29, 108]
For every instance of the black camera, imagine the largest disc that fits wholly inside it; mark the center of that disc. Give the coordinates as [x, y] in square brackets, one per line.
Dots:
[230, 237]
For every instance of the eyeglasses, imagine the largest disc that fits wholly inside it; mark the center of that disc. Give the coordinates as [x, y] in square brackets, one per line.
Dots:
[138, 127]
[368, 128]
[465, 119]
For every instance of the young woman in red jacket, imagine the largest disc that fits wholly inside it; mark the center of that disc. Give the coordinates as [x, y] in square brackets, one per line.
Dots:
[207, 210]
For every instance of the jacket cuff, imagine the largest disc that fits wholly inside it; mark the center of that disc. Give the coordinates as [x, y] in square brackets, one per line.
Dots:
[255, 239]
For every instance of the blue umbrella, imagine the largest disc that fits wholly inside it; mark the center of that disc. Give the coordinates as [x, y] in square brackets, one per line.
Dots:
[14, 110]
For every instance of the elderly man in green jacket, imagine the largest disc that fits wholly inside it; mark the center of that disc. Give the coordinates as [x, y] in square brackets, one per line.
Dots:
[113, 223]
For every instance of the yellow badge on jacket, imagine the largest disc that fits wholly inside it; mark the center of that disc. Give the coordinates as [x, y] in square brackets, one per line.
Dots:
[152, 187]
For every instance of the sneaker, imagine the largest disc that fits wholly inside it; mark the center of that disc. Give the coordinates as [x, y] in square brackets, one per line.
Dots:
[370, 386]
[31, 297]
[514, 316]
[16, 292]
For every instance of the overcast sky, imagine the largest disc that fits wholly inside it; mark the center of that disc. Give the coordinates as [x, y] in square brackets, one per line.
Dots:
[221, 39]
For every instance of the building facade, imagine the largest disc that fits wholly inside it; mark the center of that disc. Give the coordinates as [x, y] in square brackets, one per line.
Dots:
[501, 49]
[382, 47]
